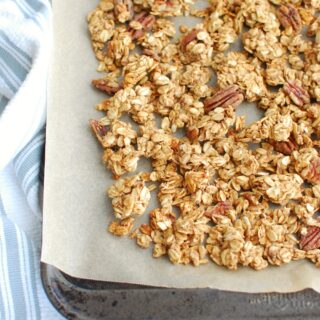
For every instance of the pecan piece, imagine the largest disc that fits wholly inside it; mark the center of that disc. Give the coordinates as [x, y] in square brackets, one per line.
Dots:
[230, 96]
[314, 27]
[145, 229]
[220, 209]
[289, 17]
[192, 134]
[252, 198]
[311, 240]
[123, 10]
[313, 174]
[175, 145]
[105, 86]
[285, 147]
[297, 94]
[99, 129]
[146, 21]
[151, 53]
[190, 36]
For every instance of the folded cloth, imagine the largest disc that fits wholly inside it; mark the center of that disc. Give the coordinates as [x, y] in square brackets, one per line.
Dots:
[25, 41]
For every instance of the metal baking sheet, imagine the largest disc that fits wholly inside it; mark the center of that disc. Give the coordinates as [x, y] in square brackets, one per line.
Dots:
[86, 299]
[76, 210]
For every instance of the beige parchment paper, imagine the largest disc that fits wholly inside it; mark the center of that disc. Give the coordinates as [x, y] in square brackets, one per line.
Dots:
[76, 209]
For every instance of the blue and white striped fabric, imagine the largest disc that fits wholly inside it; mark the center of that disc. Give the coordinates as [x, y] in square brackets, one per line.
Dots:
[25, 40]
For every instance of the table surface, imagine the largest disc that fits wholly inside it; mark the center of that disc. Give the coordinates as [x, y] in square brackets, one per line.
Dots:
[87, 299]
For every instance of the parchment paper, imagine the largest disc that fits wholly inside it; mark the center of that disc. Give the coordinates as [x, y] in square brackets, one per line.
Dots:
[76, 209]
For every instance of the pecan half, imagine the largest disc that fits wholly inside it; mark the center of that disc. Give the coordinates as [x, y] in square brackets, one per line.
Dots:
[220, 209]
[297, 94]
[313, 174]
[146, 21]
[289, 17]
[311, 240]
[99, 130]
[105, 86]
[285, 147]
[123, 10]
[230, 96]
[190, 36]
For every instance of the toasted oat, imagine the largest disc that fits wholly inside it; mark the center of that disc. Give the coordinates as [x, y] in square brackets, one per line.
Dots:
[121, 228]
[278, 188]
[264, 45]
[118, 134]
[238, 68]
[121, 161]
[216, 193]
[130, 197]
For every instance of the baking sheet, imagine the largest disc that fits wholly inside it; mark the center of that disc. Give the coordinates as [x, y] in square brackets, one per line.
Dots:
[76, 210]
[86, 299]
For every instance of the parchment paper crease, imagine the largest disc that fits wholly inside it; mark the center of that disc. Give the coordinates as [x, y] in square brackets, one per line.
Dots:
[76, 210]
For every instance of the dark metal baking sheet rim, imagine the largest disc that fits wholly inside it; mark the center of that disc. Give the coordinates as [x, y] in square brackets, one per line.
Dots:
[86, 299]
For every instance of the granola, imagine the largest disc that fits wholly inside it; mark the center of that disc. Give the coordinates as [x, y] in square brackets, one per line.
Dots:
[235, 193]
[130, 197]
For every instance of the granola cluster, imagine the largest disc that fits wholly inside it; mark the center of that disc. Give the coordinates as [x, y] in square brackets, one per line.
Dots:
[235, 193]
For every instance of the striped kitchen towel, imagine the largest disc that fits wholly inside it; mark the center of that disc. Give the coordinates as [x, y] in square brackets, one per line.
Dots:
[25, 40]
